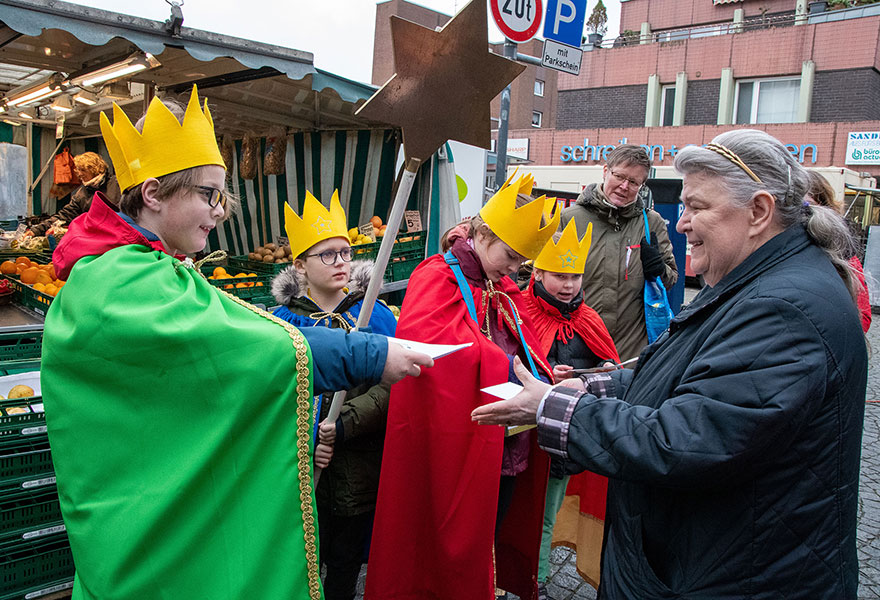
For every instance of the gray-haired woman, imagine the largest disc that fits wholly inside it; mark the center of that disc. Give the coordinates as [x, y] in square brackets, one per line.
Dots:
[733, 449]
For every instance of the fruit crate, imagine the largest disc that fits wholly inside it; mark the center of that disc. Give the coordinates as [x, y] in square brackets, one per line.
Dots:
[25, 464]
[26, 517]
[36, 567]
[22, 420]
[405, 243]
[21, 345]
[243, 263]
[28, 297]
[16, 367]
[43, 257]
[253, 285]
[403, 265]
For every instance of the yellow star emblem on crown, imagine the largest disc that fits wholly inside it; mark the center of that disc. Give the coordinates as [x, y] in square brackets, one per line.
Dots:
[568, 254]
[317, 224]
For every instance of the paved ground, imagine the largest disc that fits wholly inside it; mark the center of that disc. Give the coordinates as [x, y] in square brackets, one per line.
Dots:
[566, 584]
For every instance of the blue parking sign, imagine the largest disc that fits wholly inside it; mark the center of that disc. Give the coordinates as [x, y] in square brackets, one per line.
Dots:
[564, 22]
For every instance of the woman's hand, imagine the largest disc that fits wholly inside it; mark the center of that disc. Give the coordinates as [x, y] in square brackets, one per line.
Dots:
[519, 410]
[561, 372]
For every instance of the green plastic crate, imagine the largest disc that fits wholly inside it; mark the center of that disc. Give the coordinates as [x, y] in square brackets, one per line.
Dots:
[19, 428]
[29, 516]
[40, 591]
[20, 345]
[19, 462]
[43, 257]
[14, 367]
[27, 296]
[36, 565]
[243, 263]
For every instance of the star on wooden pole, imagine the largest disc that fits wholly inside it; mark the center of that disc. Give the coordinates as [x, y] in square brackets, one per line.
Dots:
[444, 83]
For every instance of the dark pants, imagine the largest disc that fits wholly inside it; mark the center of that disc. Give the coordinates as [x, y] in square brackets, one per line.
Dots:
[343, 548]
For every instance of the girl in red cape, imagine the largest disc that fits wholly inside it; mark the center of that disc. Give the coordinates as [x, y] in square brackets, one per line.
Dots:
[460, 506]
[572, 336]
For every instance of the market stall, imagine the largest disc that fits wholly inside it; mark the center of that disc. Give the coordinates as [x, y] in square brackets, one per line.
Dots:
[285, 127]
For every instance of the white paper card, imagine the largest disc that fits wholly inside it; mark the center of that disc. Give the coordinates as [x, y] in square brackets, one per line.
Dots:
[432, 350]
[505, 391]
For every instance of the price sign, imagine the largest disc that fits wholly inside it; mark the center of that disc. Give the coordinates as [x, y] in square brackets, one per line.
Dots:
[518, 20]
[368, 230]
[413, 221]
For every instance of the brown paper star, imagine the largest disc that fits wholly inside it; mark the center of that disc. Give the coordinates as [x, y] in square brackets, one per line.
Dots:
[444, 84]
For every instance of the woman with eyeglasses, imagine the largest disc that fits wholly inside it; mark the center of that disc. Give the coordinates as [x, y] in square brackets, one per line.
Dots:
[621, 259]
[325, 288]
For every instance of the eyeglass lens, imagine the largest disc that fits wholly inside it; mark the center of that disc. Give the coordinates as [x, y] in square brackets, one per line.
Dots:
[328, 257]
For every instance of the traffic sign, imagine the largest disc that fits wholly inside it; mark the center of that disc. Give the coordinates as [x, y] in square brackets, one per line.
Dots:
[565, 21]
[561, 57]
[518, 20]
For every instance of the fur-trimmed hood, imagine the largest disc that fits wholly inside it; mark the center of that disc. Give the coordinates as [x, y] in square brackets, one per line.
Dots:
[289, 285]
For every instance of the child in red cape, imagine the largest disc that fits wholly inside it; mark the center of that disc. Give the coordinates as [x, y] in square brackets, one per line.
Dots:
[460, 506]
[572, 336]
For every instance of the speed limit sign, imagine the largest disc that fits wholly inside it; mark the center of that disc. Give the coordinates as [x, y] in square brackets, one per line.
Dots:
[518, 20]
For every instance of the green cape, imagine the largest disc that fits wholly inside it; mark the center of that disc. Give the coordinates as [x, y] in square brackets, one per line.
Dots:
[180, 425]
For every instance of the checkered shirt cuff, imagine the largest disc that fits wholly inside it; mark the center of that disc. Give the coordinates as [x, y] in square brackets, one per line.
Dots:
[600, 385]
[555, 418]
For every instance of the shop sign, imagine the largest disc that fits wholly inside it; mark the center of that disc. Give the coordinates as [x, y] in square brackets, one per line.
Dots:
[598, 153]
[518, 148]
[863, 148]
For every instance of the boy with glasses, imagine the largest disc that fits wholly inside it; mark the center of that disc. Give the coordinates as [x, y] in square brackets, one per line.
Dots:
[324, 288]
[621, 259]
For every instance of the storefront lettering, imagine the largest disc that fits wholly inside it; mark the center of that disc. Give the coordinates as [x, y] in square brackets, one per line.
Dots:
[599, 152]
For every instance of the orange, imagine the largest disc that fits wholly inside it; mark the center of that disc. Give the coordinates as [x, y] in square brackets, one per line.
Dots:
[241, 275]
[251, 274]
[228, 287]
[7, 267]
[29, 275]
[39, 287]
[219, 271]
[259, 284]
[44, 278]
[24, 260]
[51, 290]
[241, 285]
[376, 221]
[59, 283]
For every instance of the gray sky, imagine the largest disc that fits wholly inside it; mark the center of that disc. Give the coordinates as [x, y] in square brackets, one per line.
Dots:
[338, 32]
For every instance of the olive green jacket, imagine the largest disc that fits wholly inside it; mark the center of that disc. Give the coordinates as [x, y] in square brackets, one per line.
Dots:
[613, 279]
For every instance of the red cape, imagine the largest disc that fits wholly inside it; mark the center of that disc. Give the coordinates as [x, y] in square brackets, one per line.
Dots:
[438, 491]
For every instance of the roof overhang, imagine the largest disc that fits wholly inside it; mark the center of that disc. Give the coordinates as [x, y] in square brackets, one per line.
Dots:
[250, 86]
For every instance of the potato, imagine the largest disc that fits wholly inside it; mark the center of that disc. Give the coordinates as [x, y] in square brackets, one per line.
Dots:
[268, 258]
[279, 254]
[253, 256]
[271, 246]
[21, 391]
[286, 250]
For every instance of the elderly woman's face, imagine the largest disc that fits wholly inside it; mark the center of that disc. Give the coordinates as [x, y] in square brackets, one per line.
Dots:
[717, 230]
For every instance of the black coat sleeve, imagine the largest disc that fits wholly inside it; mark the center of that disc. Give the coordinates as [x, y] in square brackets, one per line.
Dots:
[744, 396]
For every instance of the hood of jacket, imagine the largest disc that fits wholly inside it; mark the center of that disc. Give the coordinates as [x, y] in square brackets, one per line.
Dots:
[95, 232]
[289, 286]
[593, 198]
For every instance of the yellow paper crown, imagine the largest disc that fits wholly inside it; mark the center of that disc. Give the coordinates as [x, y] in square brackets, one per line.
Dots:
[568, 255]
[165, 146]
[520, 228]
[316, 225]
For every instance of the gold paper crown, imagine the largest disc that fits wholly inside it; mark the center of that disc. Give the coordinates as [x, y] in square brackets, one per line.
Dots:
[316, 225]
[520, 228]
[569, 255]
[165, 146]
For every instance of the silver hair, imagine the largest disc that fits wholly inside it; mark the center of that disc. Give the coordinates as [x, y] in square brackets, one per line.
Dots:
[782, 177]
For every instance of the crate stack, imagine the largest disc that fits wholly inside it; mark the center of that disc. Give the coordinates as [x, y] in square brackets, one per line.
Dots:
[35, 557]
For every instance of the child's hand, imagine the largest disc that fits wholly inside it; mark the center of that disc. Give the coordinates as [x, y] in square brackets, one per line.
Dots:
[327, 433]
[323, 454]
[561, 372]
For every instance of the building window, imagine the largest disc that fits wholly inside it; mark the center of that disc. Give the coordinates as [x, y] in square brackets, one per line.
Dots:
[539, 87]
[667, 105]
[767, 100]
[537, 116]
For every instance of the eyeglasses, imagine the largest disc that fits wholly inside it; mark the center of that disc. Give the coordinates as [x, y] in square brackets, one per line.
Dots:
[328, 257]
[212, 195]
[621, 178]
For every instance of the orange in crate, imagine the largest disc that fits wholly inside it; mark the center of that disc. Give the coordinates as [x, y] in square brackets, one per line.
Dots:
[29, 275]
[8, 267]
